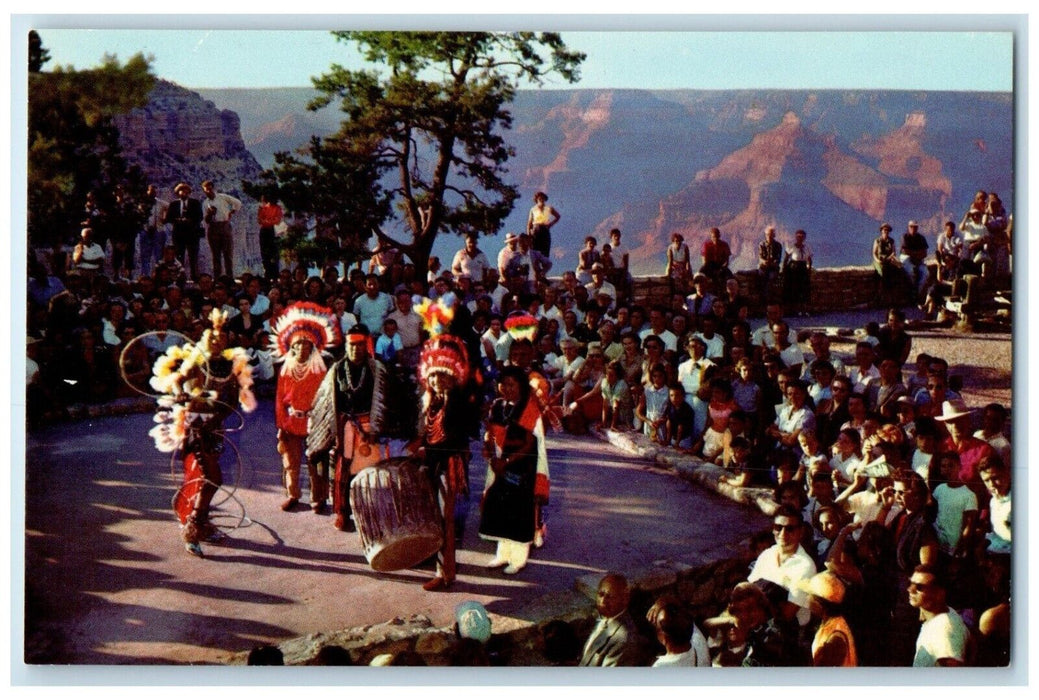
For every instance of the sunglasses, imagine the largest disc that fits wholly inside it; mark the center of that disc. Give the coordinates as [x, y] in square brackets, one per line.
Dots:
[788, 528]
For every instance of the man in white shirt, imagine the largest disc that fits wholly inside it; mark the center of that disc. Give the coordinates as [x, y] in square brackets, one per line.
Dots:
[787, 564]
[658, 327]
[372, 307]
[409, 328]
[217, 209]
[470, 260]
[943, 635]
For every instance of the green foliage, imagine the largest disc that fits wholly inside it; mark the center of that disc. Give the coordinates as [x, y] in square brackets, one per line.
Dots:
[73, 145]
[420, 150]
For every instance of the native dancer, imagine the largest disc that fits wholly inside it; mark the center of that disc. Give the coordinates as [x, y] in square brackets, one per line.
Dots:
[442, 442]
[299, 336]
[200, 383]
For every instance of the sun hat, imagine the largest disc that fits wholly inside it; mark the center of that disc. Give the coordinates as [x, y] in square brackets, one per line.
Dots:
[951, 410]
[826, 586]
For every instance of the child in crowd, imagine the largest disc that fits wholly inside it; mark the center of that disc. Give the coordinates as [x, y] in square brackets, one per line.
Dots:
[742, 472]
[847, 456]
[616, 399]
[654, 399]
[678, 418]
[719, 409]
[389, 343]
[811, 453]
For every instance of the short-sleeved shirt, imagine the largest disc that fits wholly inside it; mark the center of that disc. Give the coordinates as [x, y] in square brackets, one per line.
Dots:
[796, 568]
[944, 636]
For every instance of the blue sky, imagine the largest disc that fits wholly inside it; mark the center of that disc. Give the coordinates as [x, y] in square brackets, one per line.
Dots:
[902, 57]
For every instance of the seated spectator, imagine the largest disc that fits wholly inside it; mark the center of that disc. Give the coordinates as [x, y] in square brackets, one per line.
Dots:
[714, 256]
[678, 418]
[943, 638]
[750, 614]
[684, 644]
[616, 399]
[614, 641]
[993, 420]
[787, 564]
[995, 475]
[847, 456]
[710, 444]
[834, 644]
[586, 258]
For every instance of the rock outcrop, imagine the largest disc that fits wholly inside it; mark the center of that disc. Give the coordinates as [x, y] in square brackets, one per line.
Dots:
[179, 136]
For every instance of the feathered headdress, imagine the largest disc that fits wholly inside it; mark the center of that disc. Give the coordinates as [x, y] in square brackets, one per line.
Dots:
[444, 353]
[436, 315]
[308, 320]
[521, 326]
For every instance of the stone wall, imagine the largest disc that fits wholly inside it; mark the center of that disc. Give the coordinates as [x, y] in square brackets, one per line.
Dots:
[517, 639]
[832, 289]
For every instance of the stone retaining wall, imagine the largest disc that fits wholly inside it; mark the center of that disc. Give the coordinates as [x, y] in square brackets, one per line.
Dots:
[832, 289]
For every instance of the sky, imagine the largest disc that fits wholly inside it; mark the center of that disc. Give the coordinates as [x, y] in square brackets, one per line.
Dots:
[705, 57]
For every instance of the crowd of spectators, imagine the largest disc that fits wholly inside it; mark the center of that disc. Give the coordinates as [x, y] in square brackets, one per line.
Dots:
[872, 459]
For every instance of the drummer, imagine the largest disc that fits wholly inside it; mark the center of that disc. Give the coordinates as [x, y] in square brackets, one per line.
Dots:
[340, 442]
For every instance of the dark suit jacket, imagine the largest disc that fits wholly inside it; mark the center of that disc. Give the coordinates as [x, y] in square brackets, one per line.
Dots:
[620, 644]
[185, 217]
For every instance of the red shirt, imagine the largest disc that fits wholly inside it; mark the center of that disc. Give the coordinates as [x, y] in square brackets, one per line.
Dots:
[715, 253]
[269, 215]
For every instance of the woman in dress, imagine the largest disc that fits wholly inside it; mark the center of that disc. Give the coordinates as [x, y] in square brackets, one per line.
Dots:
[513, 446]
[885, 262]
[678, 270]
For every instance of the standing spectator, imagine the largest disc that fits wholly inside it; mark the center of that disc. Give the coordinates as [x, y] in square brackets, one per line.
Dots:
[373, 306]
[88, 257]
[185, 216]
[268, 216]
[943, 636]
[219, 208]
[152, 238]
[797, 271]
[957, 511]
[614, 641]
[470, 260]
[913, 252]
[679, 268]
[540, 221]
[770, 255]
[409, 326]
[996, 477]
[619, 277]
[124, 224]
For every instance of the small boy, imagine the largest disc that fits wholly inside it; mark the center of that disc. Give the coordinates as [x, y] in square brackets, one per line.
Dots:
[742, 473]
[389, 343]
[678, 418]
